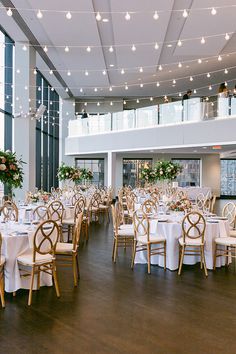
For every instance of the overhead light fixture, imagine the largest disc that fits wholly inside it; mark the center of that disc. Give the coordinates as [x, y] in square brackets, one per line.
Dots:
[185, 13]
[68, 15]
[227, 36]
[155, 16]
[98, 17]
[45, 49]
[213, 11]
[9, 12]
[133, 48]
[127, 16]
[122, 72]
[124, 102]
[88, 49]
[180, 94]
[179, 43]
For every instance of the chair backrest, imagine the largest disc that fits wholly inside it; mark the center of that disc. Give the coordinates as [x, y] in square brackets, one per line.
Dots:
[95, 200]
[229, 211]
[141, 224]
[200, 200]
[41, 213]
[77, 231]
[56, 210]
[154, 196]
[115, 219]
[130, 204]
[10, 211]
[75, 198]
[6, 198]
[79, 207]
[120, 213]
[149, 207]
[193, 226]
[213, 202]
[45, 238]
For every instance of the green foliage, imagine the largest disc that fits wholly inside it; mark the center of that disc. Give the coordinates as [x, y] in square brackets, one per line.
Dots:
[11, 170]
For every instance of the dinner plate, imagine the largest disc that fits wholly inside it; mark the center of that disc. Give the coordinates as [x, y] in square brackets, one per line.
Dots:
[162, 219]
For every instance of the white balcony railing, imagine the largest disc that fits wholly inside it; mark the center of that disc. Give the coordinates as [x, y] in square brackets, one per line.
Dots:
[191, 110]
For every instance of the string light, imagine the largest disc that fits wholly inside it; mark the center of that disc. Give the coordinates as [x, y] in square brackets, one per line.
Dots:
[39, 14]
[68, 15]
[127, 16]
[210, 87]
[191, 78]
[194, 91]
[227, 36]
[50, 72]
[126, 87]
[199, 61]
[81, 90]
[141, 70]
[219, 58]
[67, 49]
[67, 90]
[111, 103]
[88, 49]
[45, 49]
[158, 84]
[133, 48]
[18, 71]
[110, 88]
[122, 72]
[137, 100]
[155, 16]
[141, 85]
[180, 65]
[35, 72]
[179, 43]
[98, 17]
[24, 47]
[69, 73]
[185, 13]
[208, 75]
[86, 73]
[98, 104]
[104, 72]
[156, 46]
[124, 102]
[174, 81]
[203, 41]
[151, 98]
[160, 68]
[9, 12]
[213, 11]
[111, 49]
[226, 71]
[95, 90]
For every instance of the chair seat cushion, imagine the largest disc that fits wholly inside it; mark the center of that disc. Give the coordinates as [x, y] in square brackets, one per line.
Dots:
[152, 239]
[191, 241]
[94, 209]
[64, 247]
[126, 226]
[126, 232]
[226, 241]
[69, 221]
[26, 258]
[126, 212]
[232, 233]
[2, 260]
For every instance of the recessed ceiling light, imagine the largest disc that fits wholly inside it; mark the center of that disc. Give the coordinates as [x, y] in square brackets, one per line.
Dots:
[111, 65]
[105, 20]
[169, 45]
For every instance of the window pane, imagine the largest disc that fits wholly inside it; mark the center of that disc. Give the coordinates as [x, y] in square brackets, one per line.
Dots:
[228, 179]
[132, 171]
[96, 166]
[190, 176]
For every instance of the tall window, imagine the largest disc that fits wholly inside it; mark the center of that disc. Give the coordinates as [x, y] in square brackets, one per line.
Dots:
[47, 135]
[132, 171]
[6, 74]
[228, 177]
[190, 176]
[96, 166]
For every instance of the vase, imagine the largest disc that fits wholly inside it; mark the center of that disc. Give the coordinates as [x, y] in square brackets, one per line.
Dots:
[163, 185]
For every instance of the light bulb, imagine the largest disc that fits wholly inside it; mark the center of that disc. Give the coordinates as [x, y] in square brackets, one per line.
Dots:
[127, 16]
[86, 73]
[174, 81]
[111, 103]
[160, 68]
[210, 88]
[18, 71]
[81, 90]
[199, 61]
[137, 100]
[50, 72]
[110, 88]
[67, 49]
[203, 40]
[68, 73]
[191, 78]
[208, 75]
[219, 58]
[9, 12]
[213, 11]
[227, 36]
[180, 94]
[85, 103]
[67, 89]
[98, 17]
[88, 49]
[126, 87]
[141, 85]
[156, 46]
[39, 14]
[104, 72]
[151, 98]
[158, 84]
[185, 13]
[45, 49]
[95, 90]
[98, 104]
[226, 71]
[122, 71]
[133, 48]
[179, 43]
[111, 49]
[155, 16]
[35, 72]
[124, 102]
[141, 70]
[68, 15]
[24, 47]
[194, 91]
[180, 65]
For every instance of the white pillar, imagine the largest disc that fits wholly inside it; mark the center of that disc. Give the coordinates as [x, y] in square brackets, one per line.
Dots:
[24, 126]
[111, 170]
[67, 112]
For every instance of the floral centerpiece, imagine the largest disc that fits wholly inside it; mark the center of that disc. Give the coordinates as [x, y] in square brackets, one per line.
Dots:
[74, 174]
[182, 204]
[148, 174]
[87, 175]
[11, 170]
[33, 197]
[65, 172]
[167, 170]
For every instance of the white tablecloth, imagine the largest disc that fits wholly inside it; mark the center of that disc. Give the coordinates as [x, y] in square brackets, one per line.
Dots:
[192, 192]
[172, 231]
[12, 246]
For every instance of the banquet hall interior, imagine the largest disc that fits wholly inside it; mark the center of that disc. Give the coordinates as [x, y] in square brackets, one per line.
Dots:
[117, 176]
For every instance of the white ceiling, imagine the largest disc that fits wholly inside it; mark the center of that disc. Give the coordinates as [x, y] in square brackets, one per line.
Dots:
[83, 30]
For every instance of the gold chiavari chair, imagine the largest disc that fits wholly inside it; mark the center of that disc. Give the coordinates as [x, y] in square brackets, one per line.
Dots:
[68, 252]
[200, 201]
[10, 211]
[149, 207]
[104, 207]
[75, 198]
[229, 212]
[70, 222]
[213, 202]
[122, 237]
[2, 262]
[130, 208]
[143, 240]
[94, 206]
[193, 240]
[57, 210]
[41, 213]
[41, 259]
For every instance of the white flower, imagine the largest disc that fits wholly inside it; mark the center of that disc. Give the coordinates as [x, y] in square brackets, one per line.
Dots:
[2, 167]
[67, 174]
[161, 172]
[15, 177]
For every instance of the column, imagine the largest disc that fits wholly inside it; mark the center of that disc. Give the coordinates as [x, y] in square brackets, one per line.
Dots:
[24, 124]
[111, 170]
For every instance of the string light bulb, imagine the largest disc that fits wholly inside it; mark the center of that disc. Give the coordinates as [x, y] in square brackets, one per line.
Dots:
[104, 72]
[180, 65]
[151, 99]
[88, 49]
[141, 70]
[67, 49]
[127, 16]
[158, 84]
[126, 87]
[219, 58]
[213, 11]
[68, 73]
[137, 100]
[203, 41]
[110, 88]
[133, 48]
[50, 72]
[9, 12]
[98, 17]
[227, 36]
[86, 73]
[155, 16]
[39, 14]
[141, 85]
[35, 72]
[45, 49]
[68, 15]
[208, 75]
[122, 72]
[199, 61]
[24, 47]
[179, 43]
[156, 46]
[174, 82]
[111, 49]
[226, 71]
[160, 68]
[191, 78]
[81, 90]
[185, 13]
[210, 87]
[111, 103]
[95, 90]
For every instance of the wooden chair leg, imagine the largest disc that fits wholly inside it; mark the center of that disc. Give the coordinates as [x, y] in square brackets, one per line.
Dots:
[149, 258]
[77, 265]
[31, 286]
[165, 255]
[181, 260]
[38, 280]
[214, 260]
[133, 255]
[115, 250]
[204, 261]
[74, 270]
[54, 274]
[2, 290]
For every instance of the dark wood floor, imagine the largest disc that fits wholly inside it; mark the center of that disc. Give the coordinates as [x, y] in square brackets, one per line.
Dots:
[116, 310]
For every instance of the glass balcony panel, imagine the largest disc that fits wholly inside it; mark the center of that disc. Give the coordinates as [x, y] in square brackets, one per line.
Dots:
[171, 113]
[146, 117]
[123, 120]
[223, 106]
